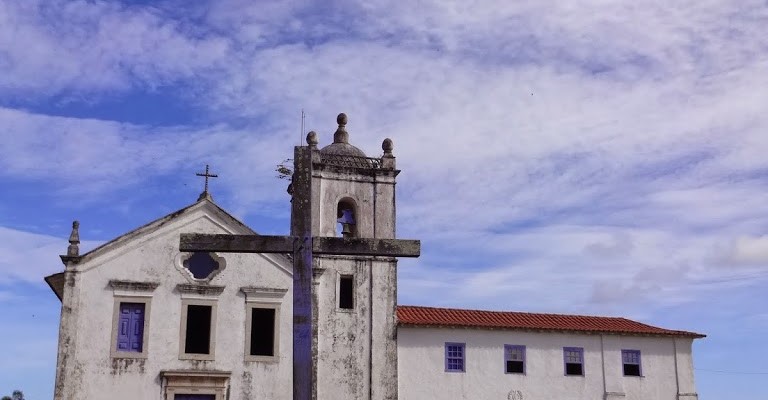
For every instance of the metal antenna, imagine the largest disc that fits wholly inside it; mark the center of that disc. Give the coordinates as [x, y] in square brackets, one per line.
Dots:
[301, 134]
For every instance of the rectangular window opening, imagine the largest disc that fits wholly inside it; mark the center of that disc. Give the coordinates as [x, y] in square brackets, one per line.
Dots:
[198, 329]
[454, 357]
[346, 292]
[262, 332]
[130, 328]
[574, 360]
[630, 360]
[194, 397]
[514, 359]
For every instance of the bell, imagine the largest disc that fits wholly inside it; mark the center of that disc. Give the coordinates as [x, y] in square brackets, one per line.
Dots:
[345, 230]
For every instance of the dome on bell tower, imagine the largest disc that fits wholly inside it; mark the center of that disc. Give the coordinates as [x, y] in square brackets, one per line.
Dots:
[340, 145]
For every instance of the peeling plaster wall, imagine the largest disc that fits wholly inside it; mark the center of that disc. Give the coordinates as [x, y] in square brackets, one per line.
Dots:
[89, 372]
[422, 376]
[356, 349]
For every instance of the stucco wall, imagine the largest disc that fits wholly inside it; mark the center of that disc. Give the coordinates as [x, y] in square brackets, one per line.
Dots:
[90, 371]
[422, 373]
[357, 351]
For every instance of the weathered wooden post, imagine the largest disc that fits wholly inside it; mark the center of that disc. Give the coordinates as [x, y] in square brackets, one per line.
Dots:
[303, 246]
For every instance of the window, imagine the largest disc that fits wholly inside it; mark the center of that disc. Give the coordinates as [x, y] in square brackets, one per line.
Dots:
[514, 359]
[262, 323]
[198, 323]
[201, 265]
[262, 331]
[454, 357]
[574, 360]
[130, 327]
[198, 332]
[346, 292]
[262, 337]
[630, 359]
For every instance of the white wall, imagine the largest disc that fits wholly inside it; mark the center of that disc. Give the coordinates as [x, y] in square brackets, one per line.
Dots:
[92, 374]
[422, 376]
[356, 349]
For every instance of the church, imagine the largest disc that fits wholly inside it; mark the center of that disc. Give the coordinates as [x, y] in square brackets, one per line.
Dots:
[196, 306]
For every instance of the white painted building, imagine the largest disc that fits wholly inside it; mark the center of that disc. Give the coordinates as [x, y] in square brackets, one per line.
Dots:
[469, 354]
[190, 335]
[141, 320]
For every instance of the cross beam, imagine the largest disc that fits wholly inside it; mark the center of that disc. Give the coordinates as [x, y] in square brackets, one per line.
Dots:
[302, 245]
[285, 244]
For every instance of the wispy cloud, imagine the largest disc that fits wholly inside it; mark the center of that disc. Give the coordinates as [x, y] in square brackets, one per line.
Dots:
[47, 47]
[561, 135]
[28, 257]
[605, 157]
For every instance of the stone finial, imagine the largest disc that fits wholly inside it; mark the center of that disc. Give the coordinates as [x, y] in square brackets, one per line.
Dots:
[73, 250]
[387, 146]
[341, 135]
[312, 139]
[341, 119]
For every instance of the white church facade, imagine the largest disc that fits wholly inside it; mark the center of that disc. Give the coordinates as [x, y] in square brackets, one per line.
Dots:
[142, 320]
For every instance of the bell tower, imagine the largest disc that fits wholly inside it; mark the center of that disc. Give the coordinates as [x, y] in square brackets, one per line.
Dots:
[354, 297]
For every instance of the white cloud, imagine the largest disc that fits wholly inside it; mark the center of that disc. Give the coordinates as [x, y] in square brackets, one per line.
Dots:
[602, 150]
[28, 257]
[748, 250]
[50, 46]
[87, 158]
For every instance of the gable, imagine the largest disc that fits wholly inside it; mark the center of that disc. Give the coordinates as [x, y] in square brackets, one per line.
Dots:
[203, 216]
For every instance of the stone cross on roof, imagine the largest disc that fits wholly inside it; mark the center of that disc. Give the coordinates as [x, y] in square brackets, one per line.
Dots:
[207, 175]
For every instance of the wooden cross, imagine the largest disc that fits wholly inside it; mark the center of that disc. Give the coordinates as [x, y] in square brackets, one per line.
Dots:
[206, 175]
[302, 245]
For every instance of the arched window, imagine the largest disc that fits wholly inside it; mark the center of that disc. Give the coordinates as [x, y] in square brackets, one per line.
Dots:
[346, 218]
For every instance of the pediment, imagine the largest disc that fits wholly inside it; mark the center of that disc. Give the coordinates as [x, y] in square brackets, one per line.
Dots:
[183, 220]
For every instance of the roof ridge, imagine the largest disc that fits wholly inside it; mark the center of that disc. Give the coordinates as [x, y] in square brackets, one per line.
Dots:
[160, 222]
[493, 319]
[517, 312]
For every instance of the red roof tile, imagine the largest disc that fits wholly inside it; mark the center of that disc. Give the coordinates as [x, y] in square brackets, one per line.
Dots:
[447, 317]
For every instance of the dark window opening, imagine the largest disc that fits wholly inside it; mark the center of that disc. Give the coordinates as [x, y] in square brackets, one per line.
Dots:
[573, 369]
[346, 292]
[262, 332]
[631, 370]
[515, 367]
[201, 265]
[198, 334]
[194, 397]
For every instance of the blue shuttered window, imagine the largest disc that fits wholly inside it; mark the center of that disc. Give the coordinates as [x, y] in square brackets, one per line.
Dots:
[130, 335]
[454, 357]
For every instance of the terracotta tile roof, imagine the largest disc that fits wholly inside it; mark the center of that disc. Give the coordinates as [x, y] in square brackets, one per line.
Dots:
[447, 317]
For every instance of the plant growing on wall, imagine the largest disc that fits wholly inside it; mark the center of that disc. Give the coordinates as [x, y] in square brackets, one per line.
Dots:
[283, 170]
[16, 395]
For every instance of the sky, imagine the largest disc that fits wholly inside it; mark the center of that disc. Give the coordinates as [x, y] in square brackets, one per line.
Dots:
[593, 157]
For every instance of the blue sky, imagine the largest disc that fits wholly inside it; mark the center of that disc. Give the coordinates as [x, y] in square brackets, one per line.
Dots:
[596, 157]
